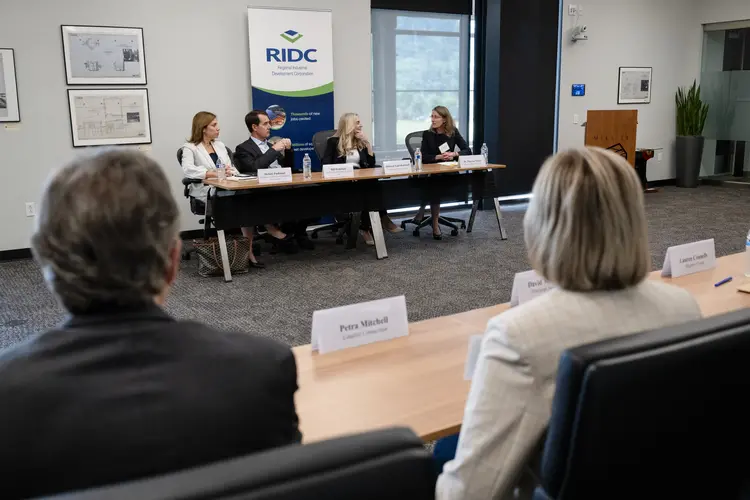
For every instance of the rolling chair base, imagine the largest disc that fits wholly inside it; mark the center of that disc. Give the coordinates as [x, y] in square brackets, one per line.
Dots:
[450, 222]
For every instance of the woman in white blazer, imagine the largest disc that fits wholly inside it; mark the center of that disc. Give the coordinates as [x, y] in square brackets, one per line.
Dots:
[202, 157]
[586, 232]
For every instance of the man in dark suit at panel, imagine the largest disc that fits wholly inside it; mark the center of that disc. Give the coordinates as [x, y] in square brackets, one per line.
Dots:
[258, 153]
[121, 390]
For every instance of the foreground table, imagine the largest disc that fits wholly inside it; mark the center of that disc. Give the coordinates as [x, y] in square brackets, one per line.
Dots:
[247, 203]
[417, 381]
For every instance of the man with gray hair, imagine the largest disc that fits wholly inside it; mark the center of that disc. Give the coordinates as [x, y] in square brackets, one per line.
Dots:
[121, 390]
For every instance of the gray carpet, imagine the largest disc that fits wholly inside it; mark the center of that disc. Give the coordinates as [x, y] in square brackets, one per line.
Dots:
[437, 277]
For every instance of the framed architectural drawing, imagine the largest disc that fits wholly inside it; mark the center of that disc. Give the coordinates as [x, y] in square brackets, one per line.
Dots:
[634, 86]
[103, 55]
[109, 117]
[9, 111]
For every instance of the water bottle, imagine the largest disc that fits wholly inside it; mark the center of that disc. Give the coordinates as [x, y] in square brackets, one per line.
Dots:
[486, 153]
[747, 255]
[418, 160]
[307, 167]
[221, 172]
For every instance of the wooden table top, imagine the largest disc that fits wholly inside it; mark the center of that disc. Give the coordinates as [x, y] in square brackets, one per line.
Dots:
[417, 381]
[359, 174]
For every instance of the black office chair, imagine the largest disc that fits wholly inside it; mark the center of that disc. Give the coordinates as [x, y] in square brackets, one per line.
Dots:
[387, 464]
[661, 414]
[413, 141]
[339, 227]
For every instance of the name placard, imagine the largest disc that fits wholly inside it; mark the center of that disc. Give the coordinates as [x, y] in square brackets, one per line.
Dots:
[397, 167]
[359, 324]
[475, 345]
[472, 161]
[527, 286]
[338, 171]
[690, 258]
[274, 175]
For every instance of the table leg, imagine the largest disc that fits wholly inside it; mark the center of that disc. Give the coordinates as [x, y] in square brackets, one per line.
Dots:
[224, 256]
[377, 235]
[474, 208]
[351, 241]
[499, 215]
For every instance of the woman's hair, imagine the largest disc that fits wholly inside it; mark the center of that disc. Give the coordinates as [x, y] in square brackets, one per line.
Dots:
[585, 228]
[201, 120]
[449, 125]
[345, 133]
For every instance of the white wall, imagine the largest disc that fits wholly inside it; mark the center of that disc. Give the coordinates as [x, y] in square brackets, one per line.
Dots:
[628, 33]
[197, 59]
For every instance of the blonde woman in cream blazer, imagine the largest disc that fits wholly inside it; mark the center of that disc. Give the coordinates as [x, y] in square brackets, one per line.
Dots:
[585, 230]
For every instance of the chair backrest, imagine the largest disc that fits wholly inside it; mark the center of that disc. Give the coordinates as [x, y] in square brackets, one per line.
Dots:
[661, 414]
[413, 141]
[320, 139]
[377, 465]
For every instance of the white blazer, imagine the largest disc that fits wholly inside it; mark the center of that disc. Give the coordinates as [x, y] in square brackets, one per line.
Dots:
[196, 161]
[511, 394]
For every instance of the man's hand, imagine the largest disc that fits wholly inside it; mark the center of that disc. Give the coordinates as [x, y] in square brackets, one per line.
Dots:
[287, 143]
[280, 145]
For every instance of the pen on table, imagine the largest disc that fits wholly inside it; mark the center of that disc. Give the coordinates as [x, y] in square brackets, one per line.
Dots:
[725, 280]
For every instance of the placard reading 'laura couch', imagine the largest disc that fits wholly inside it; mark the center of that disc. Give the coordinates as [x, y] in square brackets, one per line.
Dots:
[691, 258]
[359, 324]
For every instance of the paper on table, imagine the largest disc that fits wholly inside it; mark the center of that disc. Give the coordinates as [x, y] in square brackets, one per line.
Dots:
[449, 163]
[243, 178]
[475, 346]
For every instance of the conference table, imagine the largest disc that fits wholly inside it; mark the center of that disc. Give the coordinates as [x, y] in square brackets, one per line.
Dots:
[418, 381]
[248, 202]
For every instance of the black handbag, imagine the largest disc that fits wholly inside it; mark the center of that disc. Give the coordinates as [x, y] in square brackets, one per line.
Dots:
[209, 256]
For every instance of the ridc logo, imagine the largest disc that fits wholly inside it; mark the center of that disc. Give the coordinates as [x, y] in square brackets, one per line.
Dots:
[290, 55]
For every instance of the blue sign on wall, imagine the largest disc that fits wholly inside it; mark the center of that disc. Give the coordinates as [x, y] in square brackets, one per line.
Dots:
[579, 90]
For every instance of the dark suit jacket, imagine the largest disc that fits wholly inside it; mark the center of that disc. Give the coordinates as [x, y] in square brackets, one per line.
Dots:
[331, 156]
[248, 159]
[431, 142]
[114, 397]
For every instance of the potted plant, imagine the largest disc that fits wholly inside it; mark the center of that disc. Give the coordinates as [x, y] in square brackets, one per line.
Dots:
[691, 118]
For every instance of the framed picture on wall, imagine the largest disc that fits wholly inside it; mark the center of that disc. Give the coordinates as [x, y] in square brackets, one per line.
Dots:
[103, 55]
[109, 117]
[634, 86]
[9, 111]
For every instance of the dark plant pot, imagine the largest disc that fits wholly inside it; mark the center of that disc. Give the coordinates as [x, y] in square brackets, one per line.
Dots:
[689, 159]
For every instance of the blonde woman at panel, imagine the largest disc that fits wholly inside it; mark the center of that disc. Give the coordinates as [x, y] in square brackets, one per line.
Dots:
[350, 145]
[202, 157]
[585, 231]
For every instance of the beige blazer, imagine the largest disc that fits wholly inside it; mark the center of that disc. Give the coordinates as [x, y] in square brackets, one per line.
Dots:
[196, 161]
[509, 404]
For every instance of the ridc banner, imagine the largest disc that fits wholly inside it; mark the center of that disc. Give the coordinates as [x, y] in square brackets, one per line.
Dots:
[291, 72]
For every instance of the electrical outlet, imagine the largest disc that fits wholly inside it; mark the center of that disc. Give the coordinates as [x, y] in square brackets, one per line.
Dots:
[576, 119]
[580, 10]
[30, 209]
[659, 156]
[572, 10]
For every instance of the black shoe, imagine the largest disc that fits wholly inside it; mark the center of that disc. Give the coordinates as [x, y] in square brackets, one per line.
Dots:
[437, 236]
[257, 265]
[305, 243]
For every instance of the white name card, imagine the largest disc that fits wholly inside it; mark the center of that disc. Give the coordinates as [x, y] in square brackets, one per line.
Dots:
[338, 171]
[397, 167]
[472, 161]
[359, 324]
[690, 258]
[272, 175]
[528, 285]
[475, 345]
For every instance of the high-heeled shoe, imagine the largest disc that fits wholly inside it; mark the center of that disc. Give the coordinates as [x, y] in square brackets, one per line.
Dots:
[437, 236]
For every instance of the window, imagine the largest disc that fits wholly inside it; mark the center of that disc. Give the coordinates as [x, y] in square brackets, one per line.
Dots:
[420, 60]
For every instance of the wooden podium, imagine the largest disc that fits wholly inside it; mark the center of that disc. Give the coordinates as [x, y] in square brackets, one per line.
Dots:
[613, 130]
